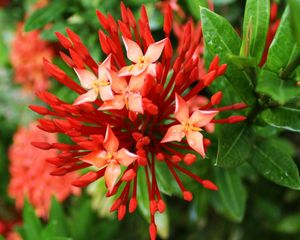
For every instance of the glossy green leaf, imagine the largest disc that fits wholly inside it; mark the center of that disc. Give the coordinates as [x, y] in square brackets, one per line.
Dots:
[280, 90]
[275, 164]
[284, 48]
[221, 39]
[290, 224]
[45, 15]
[230, 199]
[32, 224]
[255, 28]
[295, 10]
[283, 117]
[234, 145]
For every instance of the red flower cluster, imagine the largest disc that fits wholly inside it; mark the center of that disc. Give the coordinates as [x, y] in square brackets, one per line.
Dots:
[131, 113]
[30, 174]
[27, 53]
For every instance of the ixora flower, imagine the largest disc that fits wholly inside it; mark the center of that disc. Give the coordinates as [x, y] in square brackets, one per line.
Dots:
[30, 174]
[30, 74]
[152, 114]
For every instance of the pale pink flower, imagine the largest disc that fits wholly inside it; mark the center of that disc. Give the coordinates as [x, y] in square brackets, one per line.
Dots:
[95, 85]
[142, 63]
[128, 95]
[189, 126]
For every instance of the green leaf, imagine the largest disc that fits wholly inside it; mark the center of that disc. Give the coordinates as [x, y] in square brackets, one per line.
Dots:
[295, 9]
[49, 33]
[81, 218]
[221, 39]
[32, 224]
[194, 5]
[255, 28]
[289, 224]
[45, 15]
[275, 164]
[164, 178]
[284, 48]
[57, 219]
[230, 199]
[161, 219]
[283, 117]
[234, 145]
[280, 90]
[242, 62]
[223, 2]
[143, 195]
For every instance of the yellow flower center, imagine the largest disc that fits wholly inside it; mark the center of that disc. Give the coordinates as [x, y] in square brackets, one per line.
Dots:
[142, 60]
[189, 127]
[100, 83]
[109, 156]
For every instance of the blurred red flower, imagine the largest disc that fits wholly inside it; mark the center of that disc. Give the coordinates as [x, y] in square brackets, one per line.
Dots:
[26, 56]
[30, 174]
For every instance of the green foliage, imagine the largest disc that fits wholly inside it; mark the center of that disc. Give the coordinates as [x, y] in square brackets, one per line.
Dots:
[284, 48]
[283, 117]
[295, 9]
[230, 200]
[234, 145]
[275, 164]
[255, 28]
[221, 39]
[45, 15]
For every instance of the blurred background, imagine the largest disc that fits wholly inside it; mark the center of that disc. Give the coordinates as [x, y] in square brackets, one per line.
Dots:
[35, 205]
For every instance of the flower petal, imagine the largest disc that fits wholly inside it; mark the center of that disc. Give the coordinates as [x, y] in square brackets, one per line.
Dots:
[134, 52]
[201, 118]
[152, 69]
[118, 84]
[174, 133]
[106, 93]
[106, 64]
[96, 158]
[89, 96]
[86, 77]
[181, 109]
[111, 175]
[111, 142]
[125, 158]
[195, 141]
[135, 102]
[154, 50]
[118, 102]
[136, 83]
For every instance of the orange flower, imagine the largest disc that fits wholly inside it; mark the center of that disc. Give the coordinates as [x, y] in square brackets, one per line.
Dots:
[30, 174]
[27, 53]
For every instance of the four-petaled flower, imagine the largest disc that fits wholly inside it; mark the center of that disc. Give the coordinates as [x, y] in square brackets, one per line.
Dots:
[142, 63]
[189, 126]
[95, 85]
[128, 95]
[111, 158]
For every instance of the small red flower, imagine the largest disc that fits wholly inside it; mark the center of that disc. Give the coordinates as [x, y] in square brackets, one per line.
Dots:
[149, 97]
